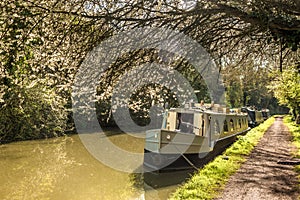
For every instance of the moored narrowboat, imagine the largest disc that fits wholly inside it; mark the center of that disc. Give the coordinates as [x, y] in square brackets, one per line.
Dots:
[255, 117]
[190, 135]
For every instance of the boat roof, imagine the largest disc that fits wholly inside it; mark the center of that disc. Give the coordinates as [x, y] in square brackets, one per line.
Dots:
[216, 109]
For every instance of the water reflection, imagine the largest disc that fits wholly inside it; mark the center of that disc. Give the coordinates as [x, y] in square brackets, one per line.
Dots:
[30, 170]
[63, 169]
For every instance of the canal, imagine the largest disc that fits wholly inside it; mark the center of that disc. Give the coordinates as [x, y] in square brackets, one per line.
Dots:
[62, 168]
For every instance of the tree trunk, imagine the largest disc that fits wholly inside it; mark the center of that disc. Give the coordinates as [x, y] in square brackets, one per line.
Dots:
[297, 119]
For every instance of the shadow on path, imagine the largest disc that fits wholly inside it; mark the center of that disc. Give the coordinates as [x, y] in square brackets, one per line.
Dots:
[261, 177]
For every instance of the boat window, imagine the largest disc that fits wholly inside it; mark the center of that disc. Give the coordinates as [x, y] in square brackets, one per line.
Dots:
[225, 128]
[240, 123]
[165, 117]
[202, 127]
[185, 122]
[231, 124]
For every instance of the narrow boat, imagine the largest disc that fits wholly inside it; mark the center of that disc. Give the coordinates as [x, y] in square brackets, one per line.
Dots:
[265, 113]
[255, 117]
[189, 136]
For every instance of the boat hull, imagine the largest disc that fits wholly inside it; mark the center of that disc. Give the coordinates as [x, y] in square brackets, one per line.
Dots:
[163, 162]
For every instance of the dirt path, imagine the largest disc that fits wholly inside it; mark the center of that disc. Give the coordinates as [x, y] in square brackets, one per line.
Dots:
[261, 177]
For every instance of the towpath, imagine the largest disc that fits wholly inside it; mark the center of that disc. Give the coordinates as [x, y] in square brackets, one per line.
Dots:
[261, 177]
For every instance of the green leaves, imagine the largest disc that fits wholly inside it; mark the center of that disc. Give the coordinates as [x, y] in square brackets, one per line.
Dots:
[287, 90]
[31, 112]
[45, 41]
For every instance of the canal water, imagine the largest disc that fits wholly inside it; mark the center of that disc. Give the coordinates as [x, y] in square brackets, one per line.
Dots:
[62, 168]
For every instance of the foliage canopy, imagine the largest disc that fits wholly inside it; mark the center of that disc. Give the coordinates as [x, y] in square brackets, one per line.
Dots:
[44, 42]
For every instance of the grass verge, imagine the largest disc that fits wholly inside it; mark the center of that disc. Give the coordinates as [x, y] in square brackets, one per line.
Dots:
[209, 181]
[295, 132]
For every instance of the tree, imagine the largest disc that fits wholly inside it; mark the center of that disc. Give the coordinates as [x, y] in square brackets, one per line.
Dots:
[44, 42]
[40, 53]
[287, 91]
[29, 108]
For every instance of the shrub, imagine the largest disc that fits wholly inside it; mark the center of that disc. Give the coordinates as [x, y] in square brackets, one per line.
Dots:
[31, 112]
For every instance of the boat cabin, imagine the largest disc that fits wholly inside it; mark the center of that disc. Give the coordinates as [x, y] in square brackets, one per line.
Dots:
[204, 122]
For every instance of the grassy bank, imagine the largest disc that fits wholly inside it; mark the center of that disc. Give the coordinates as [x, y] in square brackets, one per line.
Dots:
[295, 132]
[209, 181]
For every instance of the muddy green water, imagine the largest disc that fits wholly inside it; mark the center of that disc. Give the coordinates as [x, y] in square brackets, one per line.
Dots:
[62, 168]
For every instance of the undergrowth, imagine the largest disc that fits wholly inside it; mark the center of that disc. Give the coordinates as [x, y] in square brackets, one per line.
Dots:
[295, 132]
